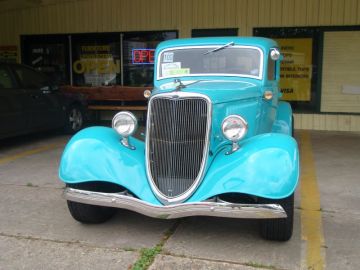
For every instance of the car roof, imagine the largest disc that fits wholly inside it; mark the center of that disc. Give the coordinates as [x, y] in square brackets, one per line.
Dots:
[261, 42]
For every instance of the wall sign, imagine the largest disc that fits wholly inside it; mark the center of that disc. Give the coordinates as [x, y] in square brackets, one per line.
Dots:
[296, 68]
[143, 56]
[8, 54]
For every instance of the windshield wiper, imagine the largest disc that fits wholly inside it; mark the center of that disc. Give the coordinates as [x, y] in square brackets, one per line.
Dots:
[232, 43]
[181, 85]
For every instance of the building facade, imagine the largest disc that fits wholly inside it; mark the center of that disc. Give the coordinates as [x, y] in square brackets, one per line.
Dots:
[94, 42]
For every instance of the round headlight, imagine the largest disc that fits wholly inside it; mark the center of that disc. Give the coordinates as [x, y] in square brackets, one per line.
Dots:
[124, 123]
[234, 128]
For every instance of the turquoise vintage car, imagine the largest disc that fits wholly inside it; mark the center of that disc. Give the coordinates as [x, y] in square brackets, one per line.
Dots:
[218, 142]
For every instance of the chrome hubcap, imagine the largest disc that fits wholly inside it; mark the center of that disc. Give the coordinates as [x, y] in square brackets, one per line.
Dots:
[75, 119]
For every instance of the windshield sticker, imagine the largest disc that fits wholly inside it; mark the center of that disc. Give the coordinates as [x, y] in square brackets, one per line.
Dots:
[179, 71]
[172, 69]
[168, 57]
[169, 66]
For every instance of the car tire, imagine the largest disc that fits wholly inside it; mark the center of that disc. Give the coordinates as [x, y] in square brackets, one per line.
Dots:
[90, 214]
[74, 119]
[279, 229]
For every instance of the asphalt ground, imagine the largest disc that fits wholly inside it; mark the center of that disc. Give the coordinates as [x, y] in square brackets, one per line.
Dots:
[37, 231]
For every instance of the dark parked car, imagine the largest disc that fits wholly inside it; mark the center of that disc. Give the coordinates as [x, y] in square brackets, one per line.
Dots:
[31, 102]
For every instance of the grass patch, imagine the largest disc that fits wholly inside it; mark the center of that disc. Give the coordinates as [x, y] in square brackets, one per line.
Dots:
[29, 184]
[147, 255]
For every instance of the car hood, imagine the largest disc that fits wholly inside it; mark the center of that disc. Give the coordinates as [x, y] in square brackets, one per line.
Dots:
[217, 91]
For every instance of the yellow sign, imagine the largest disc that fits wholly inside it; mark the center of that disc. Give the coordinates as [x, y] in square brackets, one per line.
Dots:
[97, 66]
[296, 68]
[96, 59]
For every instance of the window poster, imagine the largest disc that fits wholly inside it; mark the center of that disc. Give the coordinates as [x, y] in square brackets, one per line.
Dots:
[296, 68]
[97, 65]
[8, 54]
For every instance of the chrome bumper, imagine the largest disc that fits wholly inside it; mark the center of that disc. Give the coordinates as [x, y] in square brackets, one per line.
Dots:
[216, 209]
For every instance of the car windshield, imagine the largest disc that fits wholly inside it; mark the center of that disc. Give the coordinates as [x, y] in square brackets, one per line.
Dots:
[225, 60]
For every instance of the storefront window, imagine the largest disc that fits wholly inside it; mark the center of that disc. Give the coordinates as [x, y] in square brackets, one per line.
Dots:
[47, 53]
[96, 59]
[139, 50]
[299, 67]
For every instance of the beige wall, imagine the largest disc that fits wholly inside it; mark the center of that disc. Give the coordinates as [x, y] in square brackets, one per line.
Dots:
[341, 72]
[183, 15]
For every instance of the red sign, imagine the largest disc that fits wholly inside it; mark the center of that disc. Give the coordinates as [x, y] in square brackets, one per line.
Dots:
[143, 56]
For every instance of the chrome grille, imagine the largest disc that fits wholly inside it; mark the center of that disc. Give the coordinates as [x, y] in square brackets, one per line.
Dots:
[177, 140]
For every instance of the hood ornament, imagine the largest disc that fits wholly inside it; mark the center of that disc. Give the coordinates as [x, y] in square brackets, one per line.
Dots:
[178, 85]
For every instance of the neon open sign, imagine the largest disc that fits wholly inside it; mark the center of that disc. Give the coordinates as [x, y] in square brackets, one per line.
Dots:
[143, 56]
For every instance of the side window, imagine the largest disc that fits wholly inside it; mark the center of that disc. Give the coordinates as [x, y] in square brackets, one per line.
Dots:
[30, 78]
[6, 82]
[271, 69]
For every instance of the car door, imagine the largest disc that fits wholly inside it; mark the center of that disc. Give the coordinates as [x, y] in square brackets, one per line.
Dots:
[43, 105]
[12, 115]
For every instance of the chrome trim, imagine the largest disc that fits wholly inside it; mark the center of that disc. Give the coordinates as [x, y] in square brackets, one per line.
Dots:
[125, 138]
[131, 115]
[125, 142]
[241, 119]
[207, 208]
[169, 85]
[260, 77]
[234, 147]
[164, 199]
[274, 54]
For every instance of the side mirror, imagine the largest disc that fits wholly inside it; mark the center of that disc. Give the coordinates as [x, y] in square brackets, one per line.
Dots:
[275, 54]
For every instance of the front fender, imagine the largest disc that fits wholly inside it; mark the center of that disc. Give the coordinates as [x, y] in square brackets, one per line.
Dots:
[96, 154]
[266, 165]
[283, 123]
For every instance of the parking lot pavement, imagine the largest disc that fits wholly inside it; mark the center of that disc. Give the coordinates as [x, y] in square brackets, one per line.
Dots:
[16, 145]
[166, 262]
[234, 241]
[35, 224]
[337, 159]
[23, 253]
[34, 216]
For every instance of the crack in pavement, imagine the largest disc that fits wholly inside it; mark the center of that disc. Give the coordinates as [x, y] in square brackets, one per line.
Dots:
[31, 186]
[148, 255]
[251, 264]
[77, 242]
